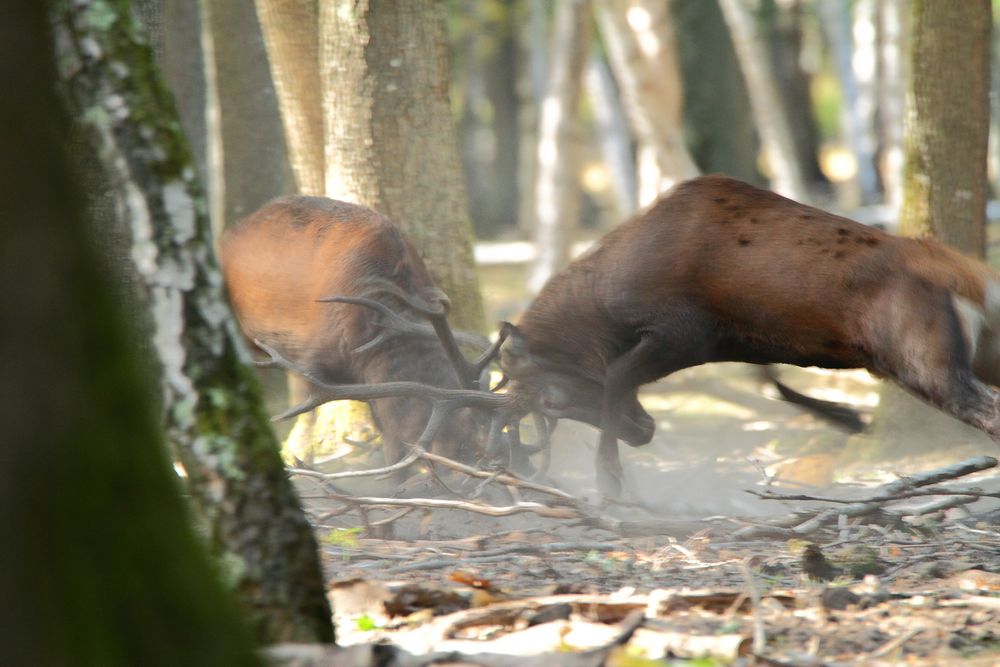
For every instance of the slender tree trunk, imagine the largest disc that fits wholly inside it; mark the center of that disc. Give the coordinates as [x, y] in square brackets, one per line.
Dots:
[718, 123]
[947, 124]
[640, 41]
[100, 565]
[944, 194]
[291, 32]
[252, 163]
[766, 101]
[211, 404]
[852, 42]
[892, 76]
[614, 136]
[534, 42]
[390, 143]
[557, 196]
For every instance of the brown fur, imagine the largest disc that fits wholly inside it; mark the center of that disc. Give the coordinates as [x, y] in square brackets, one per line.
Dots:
[295, 250]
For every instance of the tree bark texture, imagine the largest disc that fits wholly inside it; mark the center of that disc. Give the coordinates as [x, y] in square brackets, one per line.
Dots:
[100, 565]
[557, 191]
[766, 102]
[389, 138]
[947, 124]
[291, 32]
[252, 161]
[640, 41]
[211, 403]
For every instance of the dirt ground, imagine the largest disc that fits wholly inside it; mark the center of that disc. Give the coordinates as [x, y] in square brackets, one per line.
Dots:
[913, 583]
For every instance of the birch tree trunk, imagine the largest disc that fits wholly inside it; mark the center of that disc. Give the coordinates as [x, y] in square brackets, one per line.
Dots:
[211, 405]
[557, 195]
[100, 565]
[765, 100]
[640, 41]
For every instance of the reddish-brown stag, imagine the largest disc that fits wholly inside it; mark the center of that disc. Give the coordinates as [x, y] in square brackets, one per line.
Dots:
[333, 291]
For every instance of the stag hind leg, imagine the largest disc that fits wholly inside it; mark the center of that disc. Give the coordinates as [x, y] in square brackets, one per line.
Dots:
[931, 351]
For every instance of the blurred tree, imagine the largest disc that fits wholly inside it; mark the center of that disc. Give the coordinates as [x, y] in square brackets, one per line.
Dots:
[614, 135]
[534, 44]
[893, 74]
[557, 192]
[291, 32]
[640, 43]
[211, 405]
[718, 123]
[766, 101]
[486, 64]
[100, 565]
[249, 160]
[944, 196]
[783, 28]
[851, 40]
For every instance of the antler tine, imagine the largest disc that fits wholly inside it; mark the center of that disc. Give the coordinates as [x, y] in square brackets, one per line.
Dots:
[400, 326]
[456, 398]
[468, 373]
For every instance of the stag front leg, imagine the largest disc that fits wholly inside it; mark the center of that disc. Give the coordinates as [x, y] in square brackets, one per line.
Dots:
[656, 355]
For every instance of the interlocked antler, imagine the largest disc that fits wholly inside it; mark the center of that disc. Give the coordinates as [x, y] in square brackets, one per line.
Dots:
[507, 408]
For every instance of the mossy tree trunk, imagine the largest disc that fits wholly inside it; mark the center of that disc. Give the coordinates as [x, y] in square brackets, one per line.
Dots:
[211, 404]
[100, 565]
[945, 183]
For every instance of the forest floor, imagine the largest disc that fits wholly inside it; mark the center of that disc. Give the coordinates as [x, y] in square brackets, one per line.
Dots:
[692, 567]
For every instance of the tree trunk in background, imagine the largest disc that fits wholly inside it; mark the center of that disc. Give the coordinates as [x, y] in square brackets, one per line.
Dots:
[640, 41]
[615, 137]
[766, 101]
[534, 44]
[944, 195]
[892, 76]
[212, 409]
[291, 32]
[947, 124]
[100, 565]
[718, 122]
[252, 165]
[390, 142]
[852, 43]
[781, 26]
[557, 193]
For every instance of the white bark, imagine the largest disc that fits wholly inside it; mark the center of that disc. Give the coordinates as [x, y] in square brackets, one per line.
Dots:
[640, 43]
[556, 189]
[891, 98]
[614, 136]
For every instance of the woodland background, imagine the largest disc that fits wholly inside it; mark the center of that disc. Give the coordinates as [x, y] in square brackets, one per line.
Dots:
[132, 133]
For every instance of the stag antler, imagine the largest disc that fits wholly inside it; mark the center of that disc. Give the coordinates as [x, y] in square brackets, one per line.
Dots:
[507, 408]
[435, 308]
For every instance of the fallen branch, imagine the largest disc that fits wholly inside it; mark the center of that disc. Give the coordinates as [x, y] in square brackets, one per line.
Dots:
[478, 508]
[801, 524]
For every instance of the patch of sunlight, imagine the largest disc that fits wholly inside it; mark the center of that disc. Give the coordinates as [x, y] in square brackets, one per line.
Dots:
[678, 403]
[759, 426]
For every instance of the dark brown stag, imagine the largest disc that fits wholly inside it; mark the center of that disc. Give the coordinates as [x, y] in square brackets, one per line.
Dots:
[333, 291]
[717, 270]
